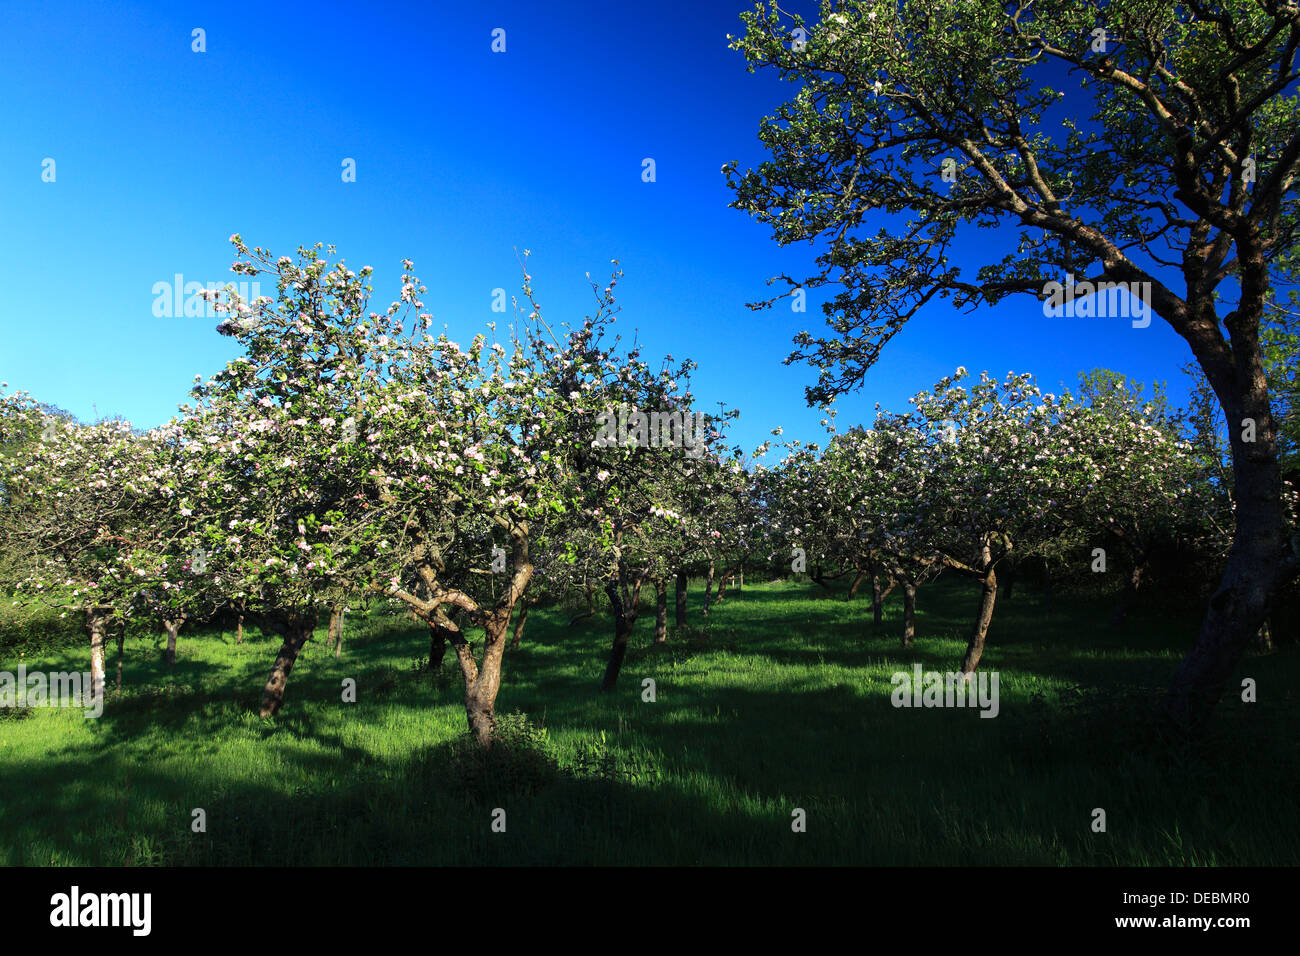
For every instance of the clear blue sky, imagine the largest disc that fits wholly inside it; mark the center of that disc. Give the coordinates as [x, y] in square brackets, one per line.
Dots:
[462, 156]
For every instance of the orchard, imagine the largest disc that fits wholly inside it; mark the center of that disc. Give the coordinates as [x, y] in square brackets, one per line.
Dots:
[381, 589]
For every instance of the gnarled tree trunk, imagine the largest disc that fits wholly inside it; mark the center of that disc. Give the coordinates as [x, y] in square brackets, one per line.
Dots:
[483, 682]
[480, 698]
[297, 632]
[988, 595]
[437, 646]
[1256, 562]
[481, 693]
[520, 622]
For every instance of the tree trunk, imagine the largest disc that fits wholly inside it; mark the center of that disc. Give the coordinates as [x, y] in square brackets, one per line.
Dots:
[1265, 643]
[172, 628]
[481, 685]
[1008, 579]
[708, 589]
[1047, 584]
[97, 619]
[877, 601]
[853, 588]
[1240, 605]
[121, 652]
[482, 682]
[681, 597]
[909, 613]
[988, 595]
[740, 579]
[297, 632]
[1129, 597]
[437, 647]
[623, 620]
[239, 626]
[481, 693]
[519, 623]
[334, 637]
[661, 611]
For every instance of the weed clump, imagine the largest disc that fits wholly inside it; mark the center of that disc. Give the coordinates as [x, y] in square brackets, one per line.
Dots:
[521, 761]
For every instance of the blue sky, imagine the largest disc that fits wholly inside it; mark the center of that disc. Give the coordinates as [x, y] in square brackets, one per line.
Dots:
[462, 156]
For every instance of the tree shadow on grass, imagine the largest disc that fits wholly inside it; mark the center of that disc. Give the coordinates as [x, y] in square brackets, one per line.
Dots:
[420, 811]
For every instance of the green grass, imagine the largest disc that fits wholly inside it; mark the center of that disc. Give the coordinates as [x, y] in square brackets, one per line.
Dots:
[785, 704]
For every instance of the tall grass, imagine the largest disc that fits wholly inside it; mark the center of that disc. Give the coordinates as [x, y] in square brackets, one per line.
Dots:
[781, 702]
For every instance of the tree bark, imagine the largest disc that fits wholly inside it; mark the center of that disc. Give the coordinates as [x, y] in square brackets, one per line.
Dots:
[481, 695]
[334, 637]
[681, 597]
[239, 626]
[437, 647]
[909, 613]
[877, 601]
[97, 619]
[519, 623]
[172, 628]
[483, 682]
[624, 617]
[708, 588]
[1257, 561]
[121, 652]
[988, 595]
[661, 611]
[480, 698]
[481, 686]
[853, 588]
[1265, 643]
[297, 631]
[1240, 606]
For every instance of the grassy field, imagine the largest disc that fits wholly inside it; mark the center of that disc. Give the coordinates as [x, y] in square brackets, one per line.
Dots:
[783, 704]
